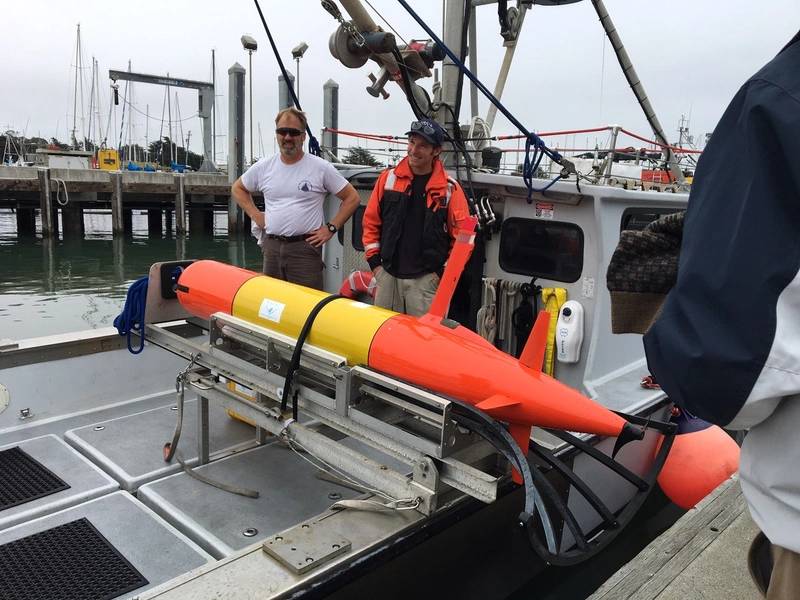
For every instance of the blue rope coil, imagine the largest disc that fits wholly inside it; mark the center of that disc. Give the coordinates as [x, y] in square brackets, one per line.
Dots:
[131, 319]
[534, 153]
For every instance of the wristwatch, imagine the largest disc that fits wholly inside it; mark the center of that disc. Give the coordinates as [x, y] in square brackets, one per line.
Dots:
[331, 227]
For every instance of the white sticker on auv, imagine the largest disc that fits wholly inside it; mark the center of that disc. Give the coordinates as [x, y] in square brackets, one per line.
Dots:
[271, 310]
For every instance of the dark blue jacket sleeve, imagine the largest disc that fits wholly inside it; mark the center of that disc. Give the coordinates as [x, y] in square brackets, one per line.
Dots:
[727, 344]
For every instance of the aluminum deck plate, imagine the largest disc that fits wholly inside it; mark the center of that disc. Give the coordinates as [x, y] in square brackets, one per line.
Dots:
[85, 480]
[151, 546]
[290, 492]
[130, 448]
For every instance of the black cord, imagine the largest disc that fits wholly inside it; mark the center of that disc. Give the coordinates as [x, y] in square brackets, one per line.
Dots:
[459, 146]
[420, 114]
[407, 83]
[294, 364]
[313, 144]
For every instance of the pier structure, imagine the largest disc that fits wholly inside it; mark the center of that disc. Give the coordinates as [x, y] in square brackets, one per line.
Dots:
[178, 203]
[175, 202]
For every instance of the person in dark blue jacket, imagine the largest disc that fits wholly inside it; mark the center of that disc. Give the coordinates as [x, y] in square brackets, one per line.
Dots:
[726, 346]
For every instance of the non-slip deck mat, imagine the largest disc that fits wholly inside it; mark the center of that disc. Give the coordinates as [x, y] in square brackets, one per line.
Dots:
[23, 479]
[69, 562]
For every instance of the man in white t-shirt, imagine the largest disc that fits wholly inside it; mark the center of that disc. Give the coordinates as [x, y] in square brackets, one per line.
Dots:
[292, 229]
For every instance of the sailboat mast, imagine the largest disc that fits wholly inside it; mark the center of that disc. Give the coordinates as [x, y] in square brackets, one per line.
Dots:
[169, 121]
[146, 132]
[79, 82]
[100, 135]
[75, 90]
[130, 117]
[214, 109]
[91, 105]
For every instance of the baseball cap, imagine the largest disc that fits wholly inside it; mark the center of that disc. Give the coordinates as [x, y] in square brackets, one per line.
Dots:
[428, 129]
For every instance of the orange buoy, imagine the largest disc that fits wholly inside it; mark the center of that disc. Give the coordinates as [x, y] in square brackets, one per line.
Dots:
[701, 458]
[359, 284]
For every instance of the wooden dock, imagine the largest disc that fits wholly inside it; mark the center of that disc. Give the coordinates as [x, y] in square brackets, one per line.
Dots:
[71, 191]
[702, 556]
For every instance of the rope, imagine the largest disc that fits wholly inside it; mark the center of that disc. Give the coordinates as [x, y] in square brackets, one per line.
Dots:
[486, 319]
[667, 146]
[378, 137]
[132, 316]
[313, 144]
[533, 141]
[58, 191]
[225, 487]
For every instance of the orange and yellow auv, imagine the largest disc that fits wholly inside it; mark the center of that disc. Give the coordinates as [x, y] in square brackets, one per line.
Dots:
[428, 351]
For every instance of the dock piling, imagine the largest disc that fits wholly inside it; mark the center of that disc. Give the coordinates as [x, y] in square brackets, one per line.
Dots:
[72, 218]
[155, 222]
[180, 205]
[118, 225]
[168, 222]
[236, 222]
[330, 118]
[49, 212]
[26, 222]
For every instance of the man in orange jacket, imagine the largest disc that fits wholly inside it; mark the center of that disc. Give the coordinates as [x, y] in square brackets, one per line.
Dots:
[411, 221]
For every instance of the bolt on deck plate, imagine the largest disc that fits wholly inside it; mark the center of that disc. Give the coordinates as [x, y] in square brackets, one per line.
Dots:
[305, 547]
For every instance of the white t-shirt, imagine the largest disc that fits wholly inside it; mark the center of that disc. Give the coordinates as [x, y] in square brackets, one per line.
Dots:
[293, 194]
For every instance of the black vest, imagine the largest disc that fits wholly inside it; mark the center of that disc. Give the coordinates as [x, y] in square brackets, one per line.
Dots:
[435, 235]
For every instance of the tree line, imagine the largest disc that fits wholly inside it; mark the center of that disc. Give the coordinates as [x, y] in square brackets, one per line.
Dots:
[161, 152]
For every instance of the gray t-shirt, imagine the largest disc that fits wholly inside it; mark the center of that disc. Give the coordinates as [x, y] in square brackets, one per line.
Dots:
[293, 194]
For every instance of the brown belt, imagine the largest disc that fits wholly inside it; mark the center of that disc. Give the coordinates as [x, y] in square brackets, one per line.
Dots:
[288, 238]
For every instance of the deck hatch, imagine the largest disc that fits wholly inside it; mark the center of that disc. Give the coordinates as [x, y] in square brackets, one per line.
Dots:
[72, 560]
[23, 478]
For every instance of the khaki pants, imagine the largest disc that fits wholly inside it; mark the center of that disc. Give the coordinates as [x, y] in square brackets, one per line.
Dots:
[410, 296]
[775, 570]
[784, 583]
[296, 262]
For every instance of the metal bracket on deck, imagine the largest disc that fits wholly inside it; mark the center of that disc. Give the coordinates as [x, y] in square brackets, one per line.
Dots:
[305, 547]
[408, 424]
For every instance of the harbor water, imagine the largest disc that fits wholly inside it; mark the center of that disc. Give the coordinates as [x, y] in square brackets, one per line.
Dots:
[50, 287]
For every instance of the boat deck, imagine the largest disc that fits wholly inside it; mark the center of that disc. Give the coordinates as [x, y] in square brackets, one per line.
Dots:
[702, 556]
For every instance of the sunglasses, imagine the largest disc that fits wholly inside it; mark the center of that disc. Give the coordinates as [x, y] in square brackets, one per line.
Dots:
[423, 126]
[288, 132]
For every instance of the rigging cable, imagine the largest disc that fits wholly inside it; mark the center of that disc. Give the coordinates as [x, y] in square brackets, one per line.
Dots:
[313, 144]
[421, 114]
[533, 142]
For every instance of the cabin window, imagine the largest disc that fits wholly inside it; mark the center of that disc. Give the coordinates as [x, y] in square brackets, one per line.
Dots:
[546, 249]
[636, 219]
[357, 229]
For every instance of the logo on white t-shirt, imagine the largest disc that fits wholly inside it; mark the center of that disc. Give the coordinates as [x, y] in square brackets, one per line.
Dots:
[304, 185]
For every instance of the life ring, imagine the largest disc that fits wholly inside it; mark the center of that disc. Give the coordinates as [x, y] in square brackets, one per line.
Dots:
[358, 285]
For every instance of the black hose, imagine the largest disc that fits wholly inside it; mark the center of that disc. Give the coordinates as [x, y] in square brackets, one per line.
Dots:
[494, 433]
[294, 364]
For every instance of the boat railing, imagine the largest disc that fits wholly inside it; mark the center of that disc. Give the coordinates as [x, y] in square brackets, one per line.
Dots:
[599, 159]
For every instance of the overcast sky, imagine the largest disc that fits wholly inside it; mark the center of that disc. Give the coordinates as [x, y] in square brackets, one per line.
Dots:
[691, 55]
